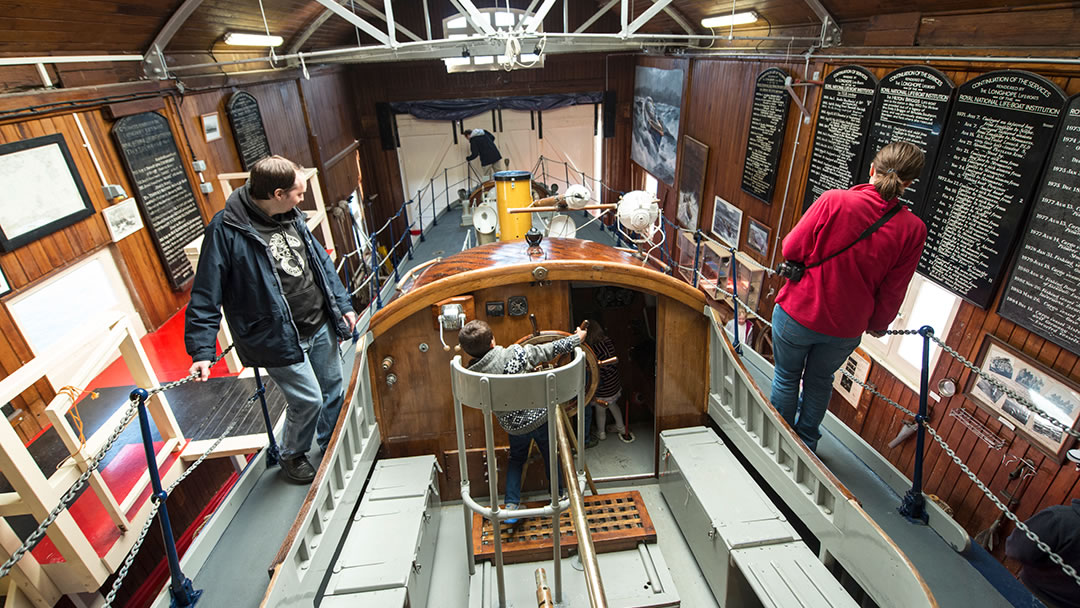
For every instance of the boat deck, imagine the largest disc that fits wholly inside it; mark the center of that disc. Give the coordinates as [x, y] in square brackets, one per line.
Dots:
[236, 575]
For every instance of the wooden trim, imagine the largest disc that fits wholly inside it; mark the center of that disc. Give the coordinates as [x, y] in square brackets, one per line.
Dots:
[335, 159]
[607, 272]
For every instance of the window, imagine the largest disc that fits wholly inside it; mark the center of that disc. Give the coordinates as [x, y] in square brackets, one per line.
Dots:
[925, 304]
[525, 54]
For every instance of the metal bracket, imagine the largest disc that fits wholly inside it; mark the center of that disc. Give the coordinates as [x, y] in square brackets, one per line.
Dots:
[154, 64]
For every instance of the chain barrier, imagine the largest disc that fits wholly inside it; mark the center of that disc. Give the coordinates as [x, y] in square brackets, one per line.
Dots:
[130, 559]
[73, 492]
[1054, 557]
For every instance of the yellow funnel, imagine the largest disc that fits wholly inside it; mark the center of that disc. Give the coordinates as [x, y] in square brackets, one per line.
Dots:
[513, 189]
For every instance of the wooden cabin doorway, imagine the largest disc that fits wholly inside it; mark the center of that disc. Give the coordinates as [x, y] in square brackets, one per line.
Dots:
[628, 317]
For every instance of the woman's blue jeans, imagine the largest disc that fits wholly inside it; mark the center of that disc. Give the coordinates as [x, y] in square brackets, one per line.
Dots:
[805, 355]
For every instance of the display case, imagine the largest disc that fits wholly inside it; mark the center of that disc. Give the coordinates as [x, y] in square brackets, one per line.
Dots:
[751, 276]
[715, 265]
[687, 250]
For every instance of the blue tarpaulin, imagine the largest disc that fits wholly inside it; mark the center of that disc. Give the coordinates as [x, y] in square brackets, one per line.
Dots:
[460, 109]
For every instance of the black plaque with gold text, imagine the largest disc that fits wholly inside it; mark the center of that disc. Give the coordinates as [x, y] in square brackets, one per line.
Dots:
[765, 139]
[162, 189]
[840, 134]
[1001, 129]
[1043, 294]
[248, 129]
[912, 105]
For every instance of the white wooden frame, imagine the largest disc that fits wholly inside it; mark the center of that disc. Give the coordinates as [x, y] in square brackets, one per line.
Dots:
[35, 494]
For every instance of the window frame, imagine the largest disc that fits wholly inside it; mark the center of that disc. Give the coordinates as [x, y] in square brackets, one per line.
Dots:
[886, 352]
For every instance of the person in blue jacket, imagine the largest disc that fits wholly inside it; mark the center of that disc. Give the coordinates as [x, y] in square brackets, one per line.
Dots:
[285, 305]
[482, 144]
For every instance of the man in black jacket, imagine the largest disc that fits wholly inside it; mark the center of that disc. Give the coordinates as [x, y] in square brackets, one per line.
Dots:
[1059, 527]
[283, 300]
[482, 144]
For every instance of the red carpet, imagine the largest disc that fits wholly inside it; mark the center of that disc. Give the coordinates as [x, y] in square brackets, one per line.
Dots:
[120, 475]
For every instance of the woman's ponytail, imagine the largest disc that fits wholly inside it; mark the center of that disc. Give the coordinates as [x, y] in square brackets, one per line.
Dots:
[895, 164]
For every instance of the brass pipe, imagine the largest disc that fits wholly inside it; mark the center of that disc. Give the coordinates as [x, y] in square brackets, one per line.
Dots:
[559, 208]
[593, 582]
[543, 592]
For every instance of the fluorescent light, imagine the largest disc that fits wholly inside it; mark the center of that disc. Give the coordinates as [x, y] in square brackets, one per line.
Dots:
[238, 39]
[528, 57]
[726, 20]
[484, 59]
[456, 61]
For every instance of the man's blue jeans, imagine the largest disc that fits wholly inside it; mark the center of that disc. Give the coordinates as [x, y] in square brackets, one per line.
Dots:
[809, 356]
[519, 451]
[313, 391]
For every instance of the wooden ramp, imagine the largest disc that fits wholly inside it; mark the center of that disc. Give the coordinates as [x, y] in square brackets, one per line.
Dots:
[617, 521]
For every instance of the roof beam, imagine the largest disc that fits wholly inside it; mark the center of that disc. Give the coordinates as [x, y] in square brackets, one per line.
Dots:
[154, 54]
[595, 17]
[352, 18]
[538, 18]
[644, 17]
[831, 29]
[389, 11]
[679, 18]
[467, 8]
[318, 22]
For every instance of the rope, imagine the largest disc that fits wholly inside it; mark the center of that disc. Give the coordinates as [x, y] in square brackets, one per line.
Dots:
[73, 492]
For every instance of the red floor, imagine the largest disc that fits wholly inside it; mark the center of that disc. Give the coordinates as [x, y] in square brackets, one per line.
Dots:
[165, 349]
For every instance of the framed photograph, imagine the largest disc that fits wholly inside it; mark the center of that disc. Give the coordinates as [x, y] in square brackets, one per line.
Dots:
[858, 365]
[1052, 392]
[5, 287]
[211, 127]
[122, 219]
[757, 237]
[726, 222]
[42, 190]
[691, 181]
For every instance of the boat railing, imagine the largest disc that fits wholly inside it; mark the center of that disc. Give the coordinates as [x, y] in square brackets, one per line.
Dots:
[734, 395]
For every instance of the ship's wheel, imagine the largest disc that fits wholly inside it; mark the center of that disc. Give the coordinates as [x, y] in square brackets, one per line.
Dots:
[592, 368]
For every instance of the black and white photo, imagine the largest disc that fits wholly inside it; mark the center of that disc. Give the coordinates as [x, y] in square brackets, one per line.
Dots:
[726, 222]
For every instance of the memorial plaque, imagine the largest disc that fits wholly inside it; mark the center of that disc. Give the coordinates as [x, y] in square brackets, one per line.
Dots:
[1042, 294]
[162, 189]
[768, 121]
[840, 134]
[247, 127]
[1001, 128]
[912, 105]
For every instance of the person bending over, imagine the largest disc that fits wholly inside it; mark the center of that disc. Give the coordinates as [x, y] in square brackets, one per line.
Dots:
[284, 302]
[819, 320]
[525, 425]
[609, 389]
[482, 144]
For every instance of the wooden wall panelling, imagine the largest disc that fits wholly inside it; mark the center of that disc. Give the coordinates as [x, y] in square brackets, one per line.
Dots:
[681, 358]
[220, 155]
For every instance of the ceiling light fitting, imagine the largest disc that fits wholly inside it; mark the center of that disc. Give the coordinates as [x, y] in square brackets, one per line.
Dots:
[241, 39]
[732, 19]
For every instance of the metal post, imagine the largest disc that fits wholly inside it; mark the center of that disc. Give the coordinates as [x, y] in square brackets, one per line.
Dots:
[377, 297]
[914, 505]
[735, 300]
[697, 255]
[446, 186]
[273, 455]
[566, 175]
[180, 588]
[421, 205]
[434, 212]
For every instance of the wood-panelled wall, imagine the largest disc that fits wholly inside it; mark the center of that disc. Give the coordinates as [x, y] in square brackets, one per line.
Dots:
[310, 121]
[717, 113]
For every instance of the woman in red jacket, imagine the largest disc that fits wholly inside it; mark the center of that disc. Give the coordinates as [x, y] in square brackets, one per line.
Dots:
[819, 320]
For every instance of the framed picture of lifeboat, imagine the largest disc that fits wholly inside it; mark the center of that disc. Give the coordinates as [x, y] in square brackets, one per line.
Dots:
[691, 181]
[657, 104]
[1047, 389]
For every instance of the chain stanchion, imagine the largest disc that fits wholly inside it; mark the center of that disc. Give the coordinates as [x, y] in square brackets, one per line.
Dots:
[421, 199]
[735, 300]
[273, 454]
[913, 506]
[446, 185]
[376, 295]
[434, 206]
[697, 255]
[183, 594]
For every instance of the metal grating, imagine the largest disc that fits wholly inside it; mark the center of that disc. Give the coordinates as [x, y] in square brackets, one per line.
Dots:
[617, 521]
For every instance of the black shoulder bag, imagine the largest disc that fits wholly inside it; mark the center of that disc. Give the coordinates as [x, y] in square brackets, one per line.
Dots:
[793, 271]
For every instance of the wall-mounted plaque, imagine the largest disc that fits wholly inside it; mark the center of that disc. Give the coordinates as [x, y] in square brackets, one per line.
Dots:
[1000, 131]
[912, 105]
[1042, 294]
[765, 139]
[247, 127]
[162, 189]
[842, 122]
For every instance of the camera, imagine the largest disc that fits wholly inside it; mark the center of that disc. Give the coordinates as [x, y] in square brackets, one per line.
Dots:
[792, 271]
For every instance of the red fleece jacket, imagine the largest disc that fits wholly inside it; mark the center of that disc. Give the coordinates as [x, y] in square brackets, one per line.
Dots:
[861, 289]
